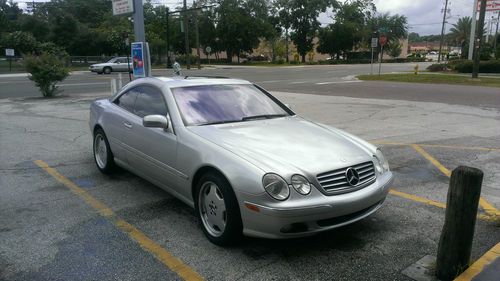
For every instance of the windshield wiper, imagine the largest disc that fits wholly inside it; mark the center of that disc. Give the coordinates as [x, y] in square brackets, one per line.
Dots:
[219, 122]
[265, 116]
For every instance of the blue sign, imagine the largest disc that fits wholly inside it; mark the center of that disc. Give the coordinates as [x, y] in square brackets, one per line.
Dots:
[138, 59]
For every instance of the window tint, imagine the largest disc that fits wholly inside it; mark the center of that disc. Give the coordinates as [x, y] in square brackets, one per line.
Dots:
[224, 103]
[150, 102]
[127, 100]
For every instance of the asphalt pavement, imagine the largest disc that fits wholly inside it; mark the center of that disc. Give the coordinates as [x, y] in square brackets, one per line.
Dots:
[61, 219]
[331, 80]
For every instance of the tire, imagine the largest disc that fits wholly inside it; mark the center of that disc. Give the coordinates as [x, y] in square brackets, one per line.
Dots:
[103, 156]
[107, 70]
[218, 211]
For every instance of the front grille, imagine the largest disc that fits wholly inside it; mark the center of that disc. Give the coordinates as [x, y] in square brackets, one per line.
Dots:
[336, 181]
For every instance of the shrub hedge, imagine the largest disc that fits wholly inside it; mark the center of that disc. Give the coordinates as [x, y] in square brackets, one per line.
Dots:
[490, 66]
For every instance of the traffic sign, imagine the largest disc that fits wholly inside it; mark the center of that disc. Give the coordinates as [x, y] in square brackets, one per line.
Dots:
[491, 5]
[374, 42]
[208, 49]
[9, 52]
[383, 40]
[123, 7]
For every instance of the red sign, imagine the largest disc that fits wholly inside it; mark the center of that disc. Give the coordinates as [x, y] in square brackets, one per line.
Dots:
[491, 5]
[382, 40]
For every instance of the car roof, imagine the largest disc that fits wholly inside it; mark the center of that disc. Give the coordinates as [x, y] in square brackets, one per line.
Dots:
[187, 81]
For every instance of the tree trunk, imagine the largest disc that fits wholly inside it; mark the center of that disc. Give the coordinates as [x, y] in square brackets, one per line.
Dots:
[303, 58]
[229, 54]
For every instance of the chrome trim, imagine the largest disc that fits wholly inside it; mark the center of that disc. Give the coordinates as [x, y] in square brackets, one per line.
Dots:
[335, 182]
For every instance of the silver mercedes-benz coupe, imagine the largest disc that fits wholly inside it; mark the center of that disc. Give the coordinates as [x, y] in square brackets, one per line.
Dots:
[242, 159]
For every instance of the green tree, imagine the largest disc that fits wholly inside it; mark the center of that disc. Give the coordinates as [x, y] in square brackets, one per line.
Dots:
[21, 42]
[394, 49]
[240, 23]
[460, 33]
[414, 37]
[9, 14]
[304, 21]
[348, 30]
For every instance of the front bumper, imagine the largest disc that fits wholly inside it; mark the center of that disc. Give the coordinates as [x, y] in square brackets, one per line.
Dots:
[332, 212]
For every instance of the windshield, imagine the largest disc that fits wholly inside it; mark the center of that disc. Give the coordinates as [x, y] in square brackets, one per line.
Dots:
[216, 104]
[112, 60]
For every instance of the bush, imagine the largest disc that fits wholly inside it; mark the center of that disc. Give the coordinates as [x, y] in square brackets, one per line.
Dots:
[46, 70]
[437, 67]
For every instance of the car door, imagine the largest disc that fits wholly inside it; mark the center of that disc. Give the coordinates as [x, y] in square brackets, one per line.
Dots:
[121, 64]
[117, 123]
[153, 151]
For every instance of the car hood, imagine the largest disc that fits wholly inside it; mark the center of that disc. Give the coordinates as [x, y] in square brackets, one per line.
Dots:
[288, 145]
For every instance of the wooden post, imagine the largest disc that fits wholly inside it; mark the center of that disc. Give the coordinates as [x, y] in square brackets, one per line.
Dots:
[461, 210]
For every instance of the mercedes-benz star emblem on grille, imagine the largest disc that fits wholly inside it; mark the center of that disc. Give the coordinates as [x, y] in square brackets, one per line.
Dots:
[352, 176]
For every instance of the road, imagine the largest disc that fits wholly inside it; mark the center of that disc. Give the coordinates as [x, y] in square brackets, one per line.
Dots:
[332, 80]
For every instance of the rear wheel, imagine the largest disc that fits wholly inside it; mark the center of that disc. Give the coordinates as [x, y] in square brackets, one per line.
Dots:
[218, 211]
[102, 153]
[107, 70]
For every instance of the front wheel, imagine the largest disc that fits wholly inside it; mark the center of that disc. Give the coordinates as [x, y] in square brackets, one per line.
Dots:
[102, 153]
[218, 211]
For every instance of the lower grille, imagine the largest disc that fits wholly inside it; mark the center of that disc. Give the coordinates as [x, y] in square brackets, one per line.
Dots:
[337, 181]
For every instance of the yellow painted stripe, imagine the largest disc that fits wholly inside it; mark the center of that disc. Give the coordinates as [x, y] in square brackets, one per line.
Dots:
[440, 146]
[417, 198]
[487, 207]
[435, 203]
[173, 263]
[431, 159]
[480, 264]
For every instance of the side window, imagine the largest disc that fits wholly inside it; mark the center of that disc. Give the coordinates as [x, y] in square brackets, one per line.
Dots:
[149, 102]
[127, 100]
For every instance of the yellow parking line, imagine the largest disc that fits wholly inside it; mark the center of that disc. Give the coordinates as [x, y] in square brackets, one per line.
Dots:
[440, 146]
[173, 263]
[487, 207]
[433, 160]
[432, 203]
[480, 264]
[417, 198]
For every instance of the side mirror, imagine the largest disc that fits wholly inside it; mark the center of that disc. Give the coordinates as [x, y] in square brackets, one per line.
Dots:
[155, 121]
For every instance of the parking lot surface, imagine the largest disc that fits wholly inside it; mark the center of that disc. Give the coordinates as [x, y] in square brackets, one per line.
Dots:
[61, 219]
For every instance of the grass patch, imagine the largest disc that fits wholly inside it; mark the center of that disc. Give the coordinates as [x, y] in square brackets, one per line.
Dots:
[434, 79]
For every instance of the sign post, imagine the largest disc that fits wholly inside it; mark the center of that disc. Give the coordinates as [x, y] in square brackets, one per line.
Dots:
[208, 49]
[382, 41]
[374, 45]
[10, 53]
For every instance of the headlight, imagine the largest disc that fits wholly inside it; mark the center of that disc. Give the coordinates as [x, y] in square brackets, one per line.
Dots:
[301, 184]
[381, 163]
[276, 186]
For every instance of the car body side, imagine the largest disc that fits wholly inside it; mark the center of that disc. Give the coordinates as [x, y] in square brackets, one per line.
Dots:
[195, 155]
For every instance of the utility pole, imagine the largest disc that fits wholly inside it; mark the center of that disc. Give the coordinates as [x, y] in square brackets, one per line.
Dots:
[197, 35]
[186, 36]
[496, 37]
[472, 31]
[445, 12]
[168, 38]
[479, 40]
[139, 22]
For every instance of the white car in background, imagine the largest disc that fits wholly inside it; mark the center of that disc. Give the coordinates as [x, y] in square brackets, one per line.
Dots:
[118, 64]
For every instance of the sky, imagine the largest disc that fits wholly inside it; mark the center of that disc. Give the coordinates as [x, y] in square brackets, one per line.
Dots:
[424, 16]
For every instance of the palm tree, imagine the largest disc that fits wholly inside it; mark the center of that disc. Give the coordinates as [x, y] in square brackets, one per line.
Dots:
[460, 33]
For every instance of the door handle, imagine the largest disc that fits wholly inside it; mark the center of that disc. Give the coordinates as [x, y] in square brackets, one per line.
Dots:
[128, 125]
